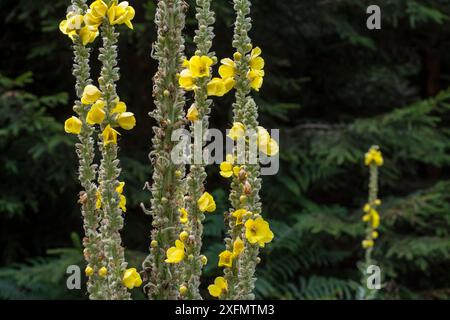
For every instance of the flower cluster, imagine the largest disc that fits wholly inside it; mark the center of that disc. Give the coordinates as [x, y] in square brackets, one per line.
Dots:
[266, 144]
[122, 201]
[372, 218]
[255, 74]
[373, 156]
[86, 26]
[119, 116]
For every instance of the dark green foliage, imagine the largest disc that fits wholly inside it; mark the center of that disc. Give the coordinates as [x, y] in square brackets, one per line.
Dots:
[333, 87]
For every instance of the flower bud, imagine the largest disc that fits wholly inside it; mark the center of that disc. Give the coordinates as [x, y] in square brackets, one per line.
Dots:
[237, 56]
[154, 244]
[183, 290]
[184, 235]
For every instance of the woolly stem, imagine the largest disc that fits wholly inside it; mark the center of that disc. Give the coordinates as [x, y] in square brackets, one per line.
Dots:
[168, 189]
[87, 170]
[197, 175]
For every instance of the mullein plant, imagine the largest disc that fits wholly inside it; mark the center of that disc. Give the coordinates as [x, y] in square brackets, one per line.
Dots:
[195, 77]
[106, 269]
[164, 266]
[373, 159]
[248, 231]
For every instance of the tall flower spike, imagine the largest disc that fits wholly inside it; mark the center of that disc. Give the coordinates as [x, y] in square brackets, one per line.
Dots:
[240, 277]
[109, 168]
[197, 175]
[373, 159]
[92, 241]
[164, 279]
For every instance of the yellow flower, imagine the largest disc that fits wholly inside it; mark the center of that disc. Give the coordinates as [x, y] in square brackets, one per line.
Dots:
[366, 208]
[92, 20]
[89, 271]
[123, 203]
[99, 8]
[119, 188]
[71, 25]
[186, 81]
[183, 215]
[377, 202]
[226, 259]
[375, 219]
[256, 62]
[227, 169]
[227, 69]
[96, 115]
[88, 34]
[121, 13]
[256, 78]
[237, 131]
[200, 65]
[206, 203]
[102, 272]
[131, 278]
[184, 235]
[258, 231]
[216, 87]
[175, 254]
[120, 107]
[73, 125]
[98, 201]
[266, 144]
[192, 114]
[219, 287]
[183, 290]
[367, 244]
[374, 156]
[126, 120]
[239, 215]
[374, 234]
[238, 246]
[90, 94]
[204, 260]
[109, 135]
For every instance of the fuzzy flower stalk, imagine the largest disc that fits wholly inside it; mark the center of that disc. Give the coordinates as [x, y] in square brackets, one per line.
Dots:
[87, 171]
[192, 216]
[248, 231]
[374, 160]
[164, 265]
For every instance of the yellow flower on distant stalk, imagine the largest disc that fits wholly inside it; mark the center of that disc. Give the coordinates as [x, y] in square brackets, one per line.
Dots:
[200, 65]
[258, 231]
[256, 78]
[226, 259]
[98, 200]
[121, 13]
[183, 215]
[227, 69]
[219, 287]
[89, 271]
[239, 215]
[206, 203]
[238, 246]
[102, 272]
[256, 62]
[109, 135]
[126, 120]
[123, 203]
[90, 94]
[374, 156]
[237, 131]
[367, 243]
[175, 254]
[192, 114]
[131, 278]
[88, 34]
[73, 125]
[96, 114]
[186, 80]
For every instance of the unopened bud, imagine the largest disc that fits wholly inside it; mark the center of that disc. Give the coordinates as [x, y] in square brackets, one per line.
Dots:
[204, 259]
[183, 290]
[243, 199]
[247, 188]
[166, 93]
[154, 244]
[184, 235]
[178, 174]
[237, 56]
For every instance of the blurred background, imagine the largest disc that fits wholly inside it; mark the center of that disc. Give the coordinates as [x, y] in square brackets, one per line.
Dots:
[333, 87]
